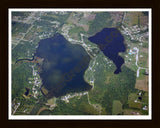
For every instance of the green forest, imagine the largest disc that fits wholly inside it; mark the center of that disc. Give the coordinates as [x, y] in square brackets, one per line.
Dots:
[23, 50]
[20, 75]
[110, 87]
[18, 27]
[102, 20]
[76, 106]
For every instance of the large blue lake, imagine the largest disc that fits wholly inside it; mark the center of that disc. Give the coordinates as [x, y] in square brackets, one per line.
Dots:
[111, 42]
[63, 67]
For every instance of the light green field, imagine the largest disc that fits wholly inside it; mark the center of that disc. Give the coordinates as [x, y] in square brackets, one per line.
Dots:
[117, 108]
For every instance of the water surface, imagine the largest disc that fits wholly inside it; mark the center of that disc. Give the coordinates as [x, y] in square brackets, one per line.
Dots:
[63, 67]
[111, 42]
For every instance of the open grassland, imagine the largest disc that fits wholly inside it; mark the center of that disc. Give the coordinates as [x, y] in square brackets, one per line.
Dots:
[51, 101]
[117, 108]
[132, 103]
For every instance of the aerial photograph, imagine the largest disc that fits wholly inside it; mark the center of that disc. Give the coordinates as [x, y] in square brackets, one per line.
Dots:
[79, 63]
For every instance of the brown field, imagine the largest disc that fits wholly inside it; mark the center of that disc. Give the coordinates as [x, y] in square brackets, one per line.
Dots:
[145, 59]
[144, 20]
[133, 18]
[142, 84]
[44, 90]
[41, 109]
[145, 50]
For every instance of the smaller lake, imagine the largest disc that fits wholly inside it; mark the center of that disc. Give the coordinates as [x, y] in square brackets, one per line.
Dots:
[27, 91]
[63, 67]
[110, 42]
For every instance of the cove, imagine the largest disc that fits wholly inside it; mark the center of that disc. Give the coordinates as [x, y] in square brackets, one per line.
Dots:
[111, 42]
[63, 67]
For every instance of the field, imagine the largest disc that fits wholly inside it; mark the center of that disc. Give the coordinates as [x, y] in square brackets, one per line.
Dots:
[117, 108]
[41, 110]
[132, 101]
[142, 84]
[51, 101]
[45, 91]
[80, 22]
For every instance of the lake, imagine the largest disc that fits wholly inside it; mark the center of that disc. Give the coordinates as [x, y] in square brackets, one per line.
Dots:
[111, 42]
[63, 67]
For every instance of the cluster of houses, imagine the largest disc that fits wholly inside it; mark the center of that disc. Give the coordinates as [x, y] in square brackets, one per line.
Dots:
[57, 12]
[36, 83]
[133, 32]
[67, 97]
[45, 35]
[132, 51]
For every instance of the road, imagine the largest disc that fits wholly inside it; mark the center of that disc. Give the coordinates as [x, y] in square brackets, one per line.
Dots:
[95, 106]
[137, 64]
[32, 16]
[124, 17]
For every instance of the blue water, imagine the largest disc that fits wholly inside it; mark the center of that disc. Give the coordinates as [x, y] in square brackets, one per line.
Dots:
[111, 42]
[63, 67]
